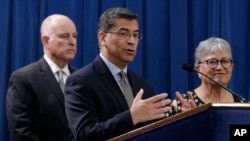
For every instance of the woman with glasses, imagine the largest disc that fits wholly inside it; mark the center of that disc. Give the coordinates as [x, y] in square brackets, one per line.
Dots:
[213, 57]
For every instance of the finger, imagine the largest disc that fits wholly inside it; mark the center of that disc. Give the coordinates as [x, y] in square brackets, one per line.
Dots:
[162, 103]
[164, 109]
[178, 95]
[157, 98]
[158, 116]
[180, 98]
[191, 103]
[168, 102]
[161, 112]
[139, 95]
[190, 95]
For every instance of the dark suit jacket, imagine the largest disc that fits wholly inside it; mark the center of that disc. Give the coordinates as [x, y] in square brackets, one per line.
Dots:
[35, 105]
[95, 106]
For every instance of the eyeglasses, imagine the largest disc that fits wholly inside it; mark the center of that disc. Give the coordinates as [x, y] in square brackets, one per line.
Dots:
[125, 35]
[213, 63]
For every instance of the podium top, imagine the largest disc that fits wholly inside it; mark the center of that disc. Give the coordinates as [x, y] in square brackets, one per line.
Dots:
[179, 116]
[230, 104]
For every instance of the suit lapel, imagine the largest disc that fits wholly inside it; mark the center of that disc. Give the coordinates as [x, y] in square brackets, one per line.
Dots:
[132, 82]
[51, 81]
[110, 82]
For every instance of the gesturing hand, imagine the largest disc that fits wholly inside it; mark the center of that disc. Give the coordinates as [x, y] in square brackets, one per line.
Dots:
[149, 109]
[186, 104]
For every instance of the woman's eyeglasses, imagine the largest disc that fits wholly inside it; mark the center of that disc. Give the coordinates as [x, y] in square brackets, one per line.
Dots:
[213, 63]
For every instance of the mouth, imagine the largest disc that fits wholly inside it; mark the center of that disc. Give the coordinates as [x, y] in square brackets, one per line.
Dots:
[219, 74]
[130, 51]
[71, 50]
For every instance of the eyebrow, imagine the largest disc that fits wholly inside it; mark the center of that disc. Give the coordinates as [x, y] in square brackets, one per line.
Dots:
[62, 33]
[128, 29]
[218, 59]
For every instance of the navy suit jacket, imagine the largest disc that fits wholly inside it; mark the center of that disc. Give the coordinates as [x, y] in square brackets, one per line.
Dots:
[35, 105]
[95, 106]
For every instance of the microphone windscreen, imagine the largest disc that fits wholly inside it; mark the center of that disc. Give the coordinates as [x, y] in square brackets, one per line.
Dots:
[188, 67]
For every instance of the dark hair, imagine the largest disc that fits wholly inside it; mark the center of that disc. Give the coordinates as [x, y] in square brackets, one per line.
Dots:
[107, 19]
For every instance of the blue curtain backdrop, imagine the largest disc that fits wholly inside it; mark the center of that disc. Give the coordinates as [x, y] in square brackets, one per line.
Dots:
[171, 30]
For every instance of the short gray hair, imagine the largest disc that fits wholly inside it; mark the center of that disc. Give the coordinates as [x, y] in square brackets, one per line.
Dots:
[211, 45]
[48, 24]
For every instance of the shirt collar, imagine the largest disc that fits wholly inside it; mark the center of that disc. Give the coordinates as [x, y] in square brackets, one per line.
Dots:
[111, 66]
[53, 66]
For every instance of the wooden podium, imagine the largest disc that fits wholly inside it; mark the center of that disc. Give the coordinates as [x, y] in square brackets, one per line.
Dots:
[209, 122]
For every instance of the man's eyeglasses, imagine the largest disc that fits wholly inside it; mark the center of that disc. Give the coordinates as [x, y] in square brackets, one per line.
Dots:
[125, 35]
[213, 63]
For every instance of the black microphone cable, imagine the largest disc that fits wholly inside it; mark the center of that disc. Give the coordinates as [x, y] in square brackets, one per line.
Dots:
[190, 68]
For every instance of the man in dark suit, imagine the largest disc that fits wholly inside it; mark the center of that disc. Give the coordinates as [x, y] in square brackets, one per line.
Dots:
[35, 100]
[95, 101]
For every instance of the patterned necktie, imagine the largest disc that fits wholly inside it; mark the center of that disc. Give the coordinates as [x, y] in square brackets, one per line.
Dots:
[60, 76]
[127, 90]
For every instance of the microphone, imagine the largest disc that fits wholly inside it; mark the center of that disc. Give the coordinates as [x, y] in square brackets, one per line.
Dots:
[191, 69]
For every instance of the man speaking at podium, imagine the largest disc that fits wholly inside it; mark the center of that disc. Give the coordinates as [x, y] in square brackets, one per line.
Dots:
[104, 99]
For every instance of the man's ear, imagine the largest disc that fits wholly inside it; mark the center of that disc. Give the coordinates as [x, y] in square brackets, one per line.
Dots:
[45, 40]
[101, 38]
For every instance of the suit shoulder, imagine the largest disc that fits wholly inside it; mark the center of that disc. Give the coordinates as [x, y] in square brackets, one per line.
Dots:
[86, 70]
[28, 68]
[137, 77]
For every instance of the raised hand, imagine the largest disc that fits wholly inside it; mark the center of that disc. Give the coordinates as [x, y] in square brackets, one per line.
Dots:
[149, 109]
[186, 104]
